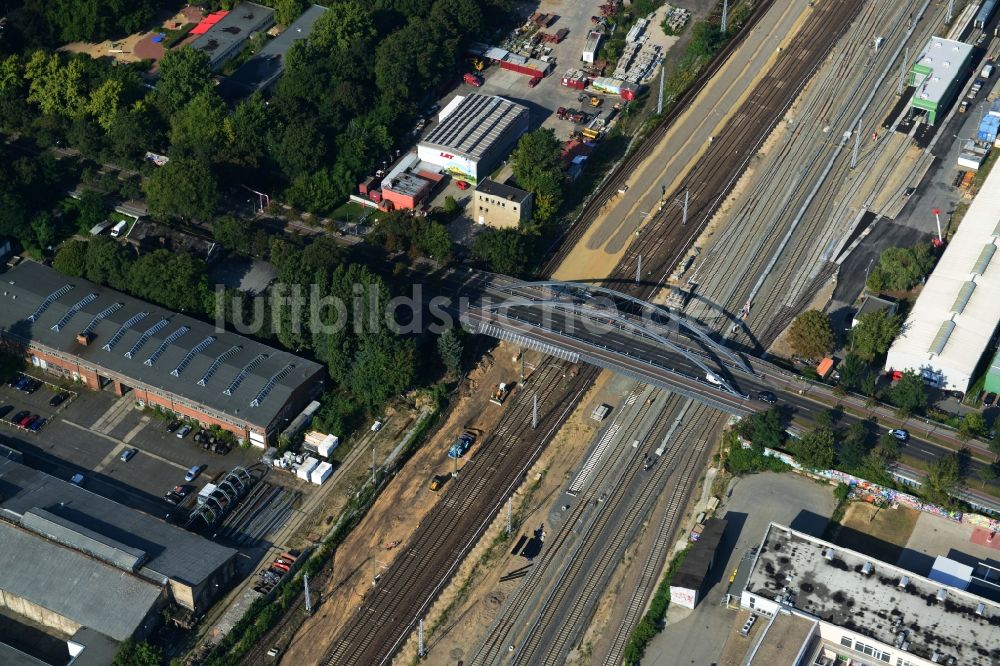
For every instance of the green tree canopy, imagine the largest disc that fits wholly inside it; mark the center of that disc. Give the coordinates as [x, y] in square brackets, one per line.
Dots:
[853, 447]
[909, 394]
[184, 74]
[901, 268]
[816, 449]
[763, 429]
[943, 476]
[874, 334]
[811, 334]
[973, 425]
[133, 653]
[506, 251]
[450, 348]
[183, 188]
[197, 128]
[537, 165]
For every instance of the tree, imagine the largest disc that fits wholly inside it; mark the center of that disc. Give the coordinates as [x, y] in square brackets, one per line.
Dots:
[450, 348]
[901, 268]
[987, 474]
[243, 130]
[537, 166]
[384, 366]
[182, 188]
[973, 425]
[908, 395]
[853, 372]
[286, 11]
[853, 447]
[56, 87]
[91, 210]
[184, 74]
[506, 251]
[811, 335]
[298, 147]
[943, 476]
[435, 242]
[348, 23]
[71, 258]
[995, 442]
[763, 429]
[816, 449]
[105, 101]
[133, 653]
[874, 334]
[197, 128]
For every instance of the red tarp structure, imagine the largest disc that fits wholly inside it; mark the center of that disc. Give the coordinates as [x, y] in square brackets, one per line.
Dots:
[207, 23]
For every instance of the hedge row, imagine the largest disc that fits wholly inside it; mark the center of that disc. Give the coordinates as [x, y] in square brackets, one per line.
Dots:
[652, 622]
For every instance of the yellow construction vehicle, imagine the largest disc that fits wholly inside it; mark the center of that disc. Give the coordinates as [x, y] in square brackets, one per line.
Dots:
[596, 101]
[477, 64]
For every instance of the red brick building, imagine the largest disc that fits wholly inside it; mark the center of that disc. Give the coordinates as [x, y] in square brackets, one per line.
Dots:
[104, 339]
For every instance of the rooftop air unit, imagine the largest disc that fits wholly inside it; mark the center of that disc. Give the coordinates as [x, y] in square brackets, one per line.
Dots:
[981, 609]
[828, 554]
[941, 595]
[904, 581]
[867, 569]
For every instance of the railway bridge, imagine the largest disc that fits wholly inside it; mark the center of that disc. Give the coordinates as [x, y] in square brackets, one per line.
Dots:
[597, 325]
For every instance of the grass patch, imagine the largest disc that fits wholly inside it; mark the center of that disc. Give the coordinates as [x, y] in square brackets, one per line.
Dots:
[880, 532]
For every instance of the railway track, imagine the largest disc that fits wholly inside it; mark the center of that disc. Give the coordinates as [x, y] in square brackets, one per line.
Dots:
[610, 185]
[388, 613]
[495, 645]
[574, 596]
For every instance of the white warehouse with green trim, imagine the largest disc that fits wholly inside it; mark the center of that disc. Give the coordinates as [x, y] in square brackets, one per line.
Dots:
[937, 76]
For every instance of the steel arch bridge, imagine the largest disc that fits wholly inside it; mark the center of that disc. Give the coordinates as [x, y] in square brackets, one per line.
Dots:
[634, 319]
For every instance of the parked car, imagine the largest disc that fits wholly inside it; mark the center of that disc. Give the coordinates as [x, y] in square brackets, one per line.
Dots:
[649, 461]
[77, 479]
[32, 386]
[768, 397]
[900, 434]
[989, 399]
[16, 419]
[127, 454]
[193, 473]
[5, 410]
[21, 383]
[26, 421]
[58, 399]
[462, 185]
[173, 426]
[37, 424]
[183, 432]
[376, 426]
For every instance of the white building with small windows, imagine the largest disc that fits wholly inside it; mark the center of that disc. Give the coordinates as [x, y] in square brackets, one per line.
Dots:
[816, 604]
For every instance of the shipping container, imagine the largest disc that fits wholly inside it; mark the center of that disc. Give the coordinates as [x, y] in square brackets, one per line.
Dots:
[306, 468]
[321, 473]
[574, 78]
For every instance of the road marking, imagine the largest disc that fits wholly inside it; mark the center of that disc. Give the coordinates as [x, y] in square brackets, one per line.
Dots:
[122, 445]
[135, 431]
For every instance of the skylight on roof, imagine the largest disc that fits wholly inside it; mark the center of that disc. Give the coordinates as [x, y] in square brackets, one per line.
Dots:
[217, 363]
[271, 384]
[197, 349]
[117, 337]
[144, 338]
[49, 300]
[244, 373]
[103, 314]
[169, 340]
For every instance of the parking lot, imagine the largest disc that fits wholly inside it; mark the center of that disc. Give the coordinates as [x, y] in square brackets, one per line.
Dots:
[88, 433]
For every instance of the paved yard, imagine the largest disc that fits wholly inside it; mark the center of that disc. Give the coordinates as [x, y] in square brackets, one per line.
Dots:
[695, 637]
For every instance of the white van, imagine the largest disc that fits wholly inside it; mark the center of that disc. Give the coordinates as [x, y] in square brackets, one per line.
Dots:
[119, 229]
[713, 379]
[987, 72]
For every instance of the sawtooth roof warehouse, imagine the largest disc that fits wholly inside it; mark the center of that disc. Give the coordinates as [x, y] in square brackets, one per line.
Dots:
[103, 338]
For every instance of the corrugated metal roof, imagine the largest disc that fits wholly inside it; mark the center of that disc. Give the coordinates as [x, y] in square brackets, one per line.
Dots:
[953, 364]
[26, 286]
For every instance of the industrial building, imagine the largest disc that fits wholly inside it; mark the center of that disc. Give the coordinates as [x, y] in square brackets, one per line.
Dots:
[477, 134]
[263, 69]
[816, 604]
[499, 205]
[227, 33]
[102, 338]
[937, 76]
[954, 321]
[68, 552]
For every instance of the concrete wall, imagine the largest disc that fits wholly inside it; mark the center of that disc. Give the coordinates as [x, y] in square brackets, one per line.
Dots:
[36, 613]
[499, 212]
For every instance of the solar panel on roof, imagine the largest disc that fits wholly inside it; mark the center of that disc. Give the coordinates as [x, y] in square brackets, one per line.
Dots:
[49, 300]
[270, 384]
[144, 338]
[169, 340]
[72, 311]
[197, 349]
[217, 363]
[941, 339]
[247, 369]
[103, 314]
[117, 337]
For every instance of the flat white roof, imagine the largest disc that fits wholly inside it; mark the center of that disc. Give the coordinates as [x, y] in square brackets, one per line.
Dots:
[944, 58]
[957, 312]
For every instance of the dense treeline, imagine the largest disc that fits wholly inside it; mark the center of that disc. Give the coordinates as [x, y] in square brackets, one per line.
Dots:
[335, 114]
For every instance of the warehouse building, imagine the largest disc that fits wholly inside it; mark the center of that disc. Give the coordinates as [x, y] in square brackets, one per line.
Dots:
[688, 582]
[937, 76]
[264, 68]
[954, 321]
[477, 134]
[813, 603]
[67, 552]
[224, 38]
[501, 206]
[104, 339]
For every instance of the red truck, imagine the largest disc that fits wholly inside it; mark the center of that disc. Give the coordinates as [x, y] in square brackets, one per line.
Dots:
[473, 79]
